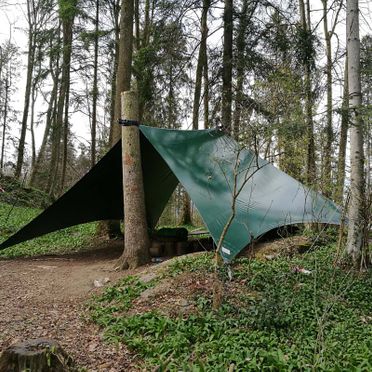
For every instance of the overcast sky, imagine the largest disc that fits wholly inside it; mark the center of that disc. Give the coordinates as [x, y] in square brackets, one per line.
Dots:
[12, 13]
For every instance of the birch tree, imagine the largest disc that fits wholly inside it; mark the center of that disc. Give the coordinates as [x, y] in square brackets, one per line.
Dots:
[357, 196]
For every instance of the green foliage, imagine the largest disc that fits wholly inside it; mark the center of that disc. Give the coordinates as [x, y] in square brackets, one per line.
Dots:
[279, 319]
[13, 218]
[104, 309]
[67, 9]
[16, 194]
[199, 263]
[305, 50]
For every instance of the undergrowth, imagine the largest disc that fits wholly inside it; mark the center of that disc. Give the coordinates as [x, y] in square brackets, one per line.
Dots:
[68, 240]
[280, 319]
[15, 193]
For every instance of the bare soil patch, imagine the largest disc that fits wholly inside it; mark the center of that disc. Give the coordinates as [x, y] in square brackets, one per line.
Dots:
[46, 297]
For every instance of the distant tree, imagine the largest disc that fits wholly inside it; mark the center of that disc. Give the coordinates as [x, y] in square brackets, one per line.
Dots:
[227, 65]
[329, 31]
[306, 51]
[38, 13]
[9, 55]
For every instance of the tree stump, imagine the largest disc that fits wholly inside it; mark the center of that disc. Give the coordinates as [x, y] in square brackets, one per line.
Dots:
[38, 355]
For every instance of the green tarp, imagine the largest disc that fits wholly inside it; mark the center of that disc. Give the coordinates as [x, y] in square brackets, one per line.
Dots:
[205, 162]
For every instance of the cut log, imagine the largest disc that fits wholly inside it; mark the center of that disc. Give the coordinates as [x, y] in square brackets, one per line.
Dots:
[38, 355]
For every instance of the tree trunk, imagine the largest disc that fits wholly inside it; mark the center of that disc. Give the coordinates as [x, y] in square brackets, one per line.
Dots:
[5, 118]
[137, 24]
[339, 190]
[95, 90]
[67, 19]
[52, 105]
[240, 57]
[327, 169]
[137, 244]
[310, 166]
[124, 72]
[200, 65]
[206, 89]
[32, 124]
[357, 198]
[116, 11]
[48, 126]
[227, 65]
[39, 355]
[111, 228]
[185, 218]
[122, 83]
[30, 68]
[66, 132]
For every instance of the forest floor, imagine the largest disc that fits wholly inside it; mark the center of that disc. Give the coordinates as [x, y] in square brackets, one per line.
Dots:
[286, 307]
[46, 297]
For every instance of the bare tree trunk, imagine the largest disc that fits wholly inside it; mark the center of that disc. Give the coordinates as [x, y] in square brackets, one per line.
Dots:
[123, 80]
[5, 118]
[339, 191]
[116, 13]
[49, 120]
[227, 65]
[62, 108]
[95, 90]
[136, 246]
[32, 124]
[137, 38]
[240, 54]
[30, 68]
[124, 72]
[200, 65]
[66, 132]
[111, 228]
[147, 26]
[185, 218]
[48, 126]
[327, 170]
[311, 170]
[206, 89]
[354, 243]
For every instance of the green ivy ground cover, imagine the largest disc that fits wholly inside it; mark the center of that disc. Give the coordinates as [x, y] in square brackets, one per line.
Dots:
[319, 321]
[12, 218]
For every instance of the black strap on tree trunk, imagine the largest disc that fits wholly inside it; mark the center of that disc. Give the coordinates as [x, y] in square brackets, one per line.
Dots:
[128, 123]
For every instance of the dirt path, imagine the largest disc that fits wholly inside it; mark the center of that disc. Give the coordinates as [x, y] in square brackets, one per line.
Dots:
[46, 297]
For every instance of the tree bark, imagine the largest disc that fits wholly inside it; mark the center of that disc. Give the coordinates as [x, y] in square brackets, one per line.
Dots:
[137, 243]
[36, 355]
[327, 169]
[354, 243]
[49, 119]
[185, 218]
[227, 65]
[240, 54]
[111, 228]
[122, 82]
[5, 118]
[200, 65]
[95, 90]
[57, 183]
[310, 166]
[30, 68]
[116, 13]
[124, 72]
[32, 124]
[339, 190]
